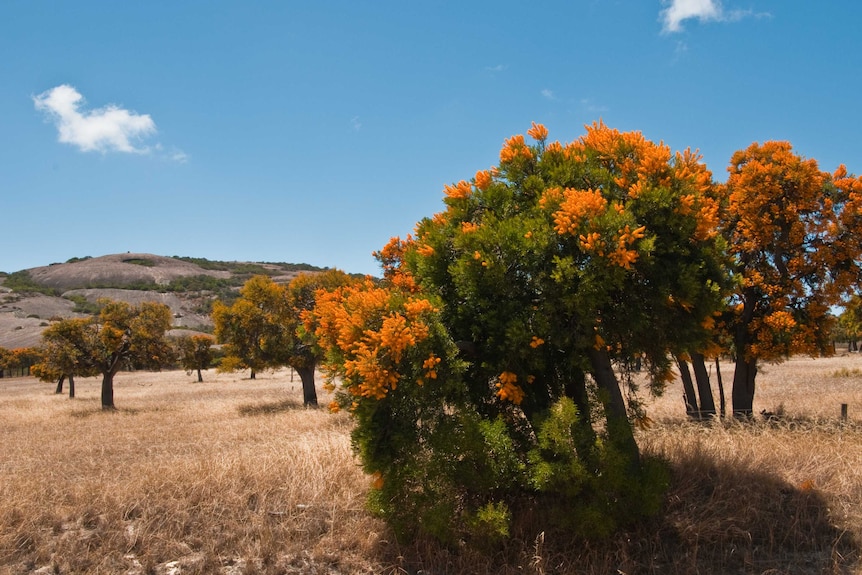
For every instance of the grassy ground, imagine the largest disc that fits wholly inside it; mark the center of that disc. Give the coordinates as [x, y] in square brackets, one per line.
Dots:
[234, 476]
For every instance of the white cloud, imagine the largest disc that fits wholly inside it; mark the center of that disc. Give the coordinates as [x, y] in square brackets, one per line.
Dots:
[355, 123]
[103, 129]
[679, 10]
[548, 94]
[497, 68]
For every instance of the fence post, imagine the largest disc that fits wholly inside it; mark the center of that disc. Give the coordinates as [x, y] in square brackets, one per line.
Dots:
[844, 412]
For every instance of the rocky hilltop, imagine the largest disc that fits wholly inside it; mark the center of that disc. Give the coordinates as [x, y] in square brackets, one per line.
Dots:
[31, 299]
[118, 270]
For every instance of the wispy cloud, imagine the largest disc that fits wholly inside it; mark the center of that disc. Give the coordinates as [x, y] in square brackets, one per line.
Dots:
[355, 123]
[549, 94]
[589, 106]
[179, 156]
[497, 68]
[108, 129]
[679, 11]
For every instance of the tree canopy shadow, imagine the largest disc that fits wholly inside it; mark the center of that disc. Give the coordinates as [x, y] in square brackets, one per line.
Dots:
[269, 408]
[717, 518]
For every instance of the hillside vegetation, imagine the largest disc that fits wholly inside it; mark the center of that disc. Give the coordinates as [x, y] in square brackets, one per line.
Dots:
[30, 299]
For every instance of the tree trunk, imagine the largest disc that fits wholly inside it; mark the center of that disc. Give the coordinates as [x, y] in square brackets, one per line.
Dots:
[309, 392]
[704, 389]
[745, 371]
[721, 398]
[619, 428]
[60, 384]
[200, 377]
[71, 386]
[689, 395]
[252, 375]
[108, 390]
[742, 395]
[576, 388]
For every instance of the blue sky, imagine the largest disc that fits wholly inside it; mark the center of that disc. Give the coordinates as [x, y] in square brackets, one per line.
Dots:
[315, 131]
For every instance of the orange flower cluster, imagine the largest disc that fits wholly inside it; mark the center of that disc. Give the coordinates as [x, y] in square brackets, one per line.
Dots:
[554, 148]
[592, 242]
[536, 342]
[483, 179]
[425, 250]
[780, 321]
[515, 148]
[577, 206]
[430, 366]
[460, 190]
[538, 132]
[468, 227]
[372, 328]
[391, 256]
[507, 388]
[623, 256]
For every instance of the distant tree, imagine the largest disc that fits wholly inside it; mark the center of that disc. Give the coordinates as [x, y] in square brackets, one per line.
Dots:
[254, 328]
[195, 353]
[21, 359]
[57, 363]
[120, 336]
[792, 232]
[263, 328]
[5, 360]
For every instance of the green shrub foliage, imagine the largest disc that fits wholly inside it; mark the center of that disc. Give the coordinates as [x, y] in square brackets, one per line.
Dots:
[484, 371]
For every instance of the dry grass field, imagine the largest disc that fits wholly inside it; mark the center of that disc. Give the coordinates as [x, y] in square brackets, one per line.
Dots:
[234, 476]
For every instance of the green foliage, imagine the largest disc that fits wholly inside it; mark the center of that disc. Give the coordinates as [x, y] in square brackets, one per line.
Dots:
[140, 262]
[249, 269]
[76, 260]
[83, 305]
[22, 282]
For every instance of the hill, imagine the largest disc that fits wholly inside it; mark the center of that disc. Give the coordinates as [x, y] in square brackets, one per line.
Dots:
[30, 299]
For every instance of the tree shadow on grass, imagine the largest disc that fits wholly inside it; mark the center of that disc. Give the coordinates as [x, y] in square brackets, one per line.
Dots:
[89, 412]
[717, 518]
[722, 517]
[269, 408]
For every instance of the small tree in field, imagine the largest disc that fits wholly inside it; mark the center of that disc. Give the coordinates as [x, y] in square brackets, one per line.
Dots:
[195, 353]
[60, 359]
[484, 373]
[793, 235]
[120, 336]
[253, 329]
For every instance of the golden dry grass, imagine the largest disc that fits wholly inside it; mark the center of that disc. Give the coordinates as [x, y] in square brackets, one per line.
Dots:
[235, 476]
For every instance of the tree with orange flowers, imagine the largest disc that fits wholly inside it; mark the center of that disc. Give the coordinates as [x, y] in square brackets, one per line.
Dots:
[488, 363]
[792, 232]
[303, 353]
[263, 330]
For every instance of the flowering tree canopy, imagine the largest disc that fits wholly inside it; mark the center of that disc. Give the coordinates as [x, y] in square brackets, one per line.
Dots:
[793, 234]
[503, 316]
